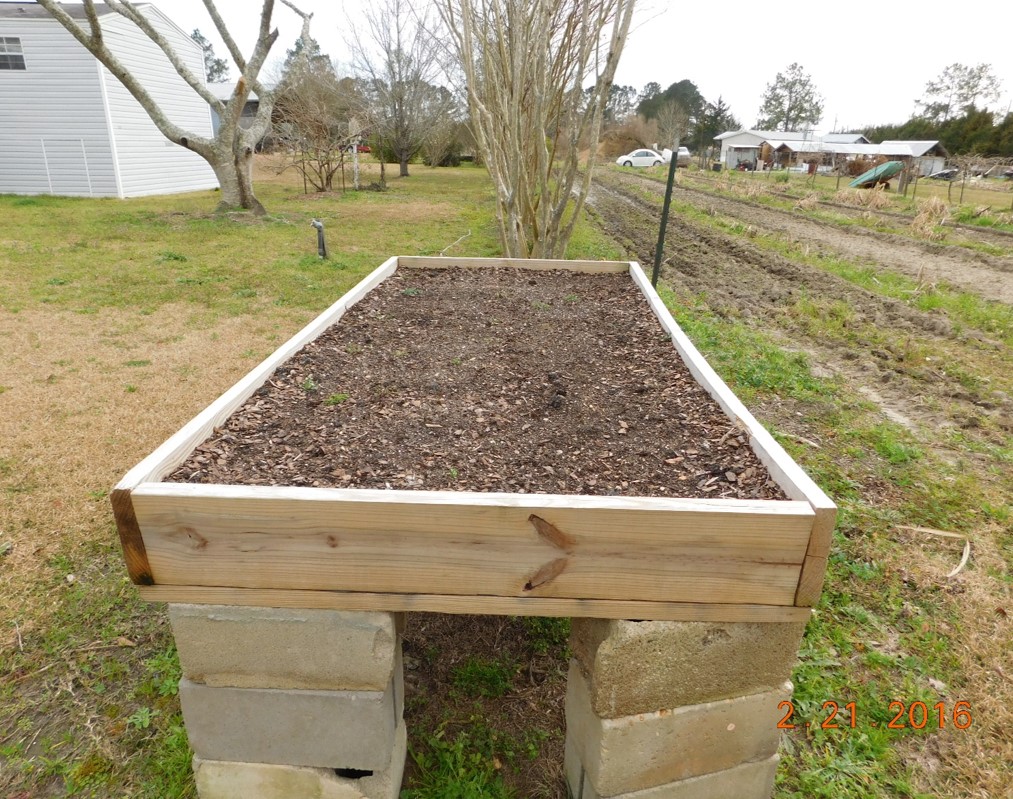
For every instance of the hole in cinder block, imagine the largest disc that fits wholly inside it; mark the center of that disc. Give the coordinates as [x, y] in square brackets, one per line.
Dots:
[353, 773]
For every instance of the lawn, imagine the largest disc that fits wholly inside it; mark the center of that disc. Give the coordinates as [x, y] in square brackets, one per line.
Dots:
[120, 320]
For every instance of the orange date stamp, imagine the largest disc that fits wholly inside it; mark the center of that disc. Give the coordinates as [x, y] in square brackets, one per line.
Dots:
[904, 715]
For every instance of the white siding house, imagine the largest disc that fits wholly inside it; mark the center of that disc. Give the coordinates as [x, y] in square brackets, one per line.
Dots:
[72, 128]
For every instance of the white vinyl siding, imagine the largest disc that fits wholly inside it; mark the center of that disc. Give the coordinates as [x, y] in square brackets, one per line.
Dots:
[65, 118]
[148, 162]
[54, 138]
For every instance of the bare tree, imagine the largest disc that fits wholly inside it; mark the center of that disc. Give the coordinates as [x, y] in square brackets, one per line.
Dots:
[525, 63]
[673, 124]
[230, 151]
[312, 113]
[441, 141]
[399, 61]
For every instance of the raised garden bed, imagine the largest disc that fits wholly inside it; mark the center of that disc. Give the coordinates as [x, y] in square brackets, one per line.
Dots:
[483, 439]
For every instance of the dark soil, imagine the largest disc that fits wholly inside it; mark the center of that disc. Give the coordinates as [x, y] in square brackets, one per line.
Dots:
[488, 380]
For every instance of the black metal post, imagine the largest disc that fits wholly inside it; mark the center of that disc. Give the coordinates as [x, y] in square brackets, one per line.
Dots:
[321, 244]
[664, 214]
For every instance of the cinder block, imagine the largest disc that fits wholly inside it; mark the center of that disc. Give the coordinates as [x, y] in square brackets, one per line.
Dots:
[648, 750]
[748, 781]
[328, 729]
[248, 647]
[219, 779]
[641, 666]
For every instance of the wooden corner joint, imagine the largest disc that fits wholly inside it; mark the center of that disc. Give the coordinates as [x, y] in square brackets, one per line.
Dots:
[134, 553]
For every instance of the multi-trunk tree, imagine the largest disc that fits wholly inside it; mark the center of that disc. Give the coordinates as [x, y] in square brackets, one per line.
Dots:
[526, 64]
[230, 151]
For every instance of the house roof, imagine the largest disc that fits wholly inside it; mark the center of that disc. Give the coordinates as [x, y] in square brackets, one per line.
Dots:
[919, 147]
[908, 149]
[806, 146]
[9, 10]
[780, 135]
[846, 138]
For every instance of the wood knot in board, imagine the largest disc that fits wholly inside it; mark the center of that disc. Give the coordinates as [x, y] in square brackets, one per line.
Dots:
[332, 541]
[197, 541]
[547, 573]
[551, 534]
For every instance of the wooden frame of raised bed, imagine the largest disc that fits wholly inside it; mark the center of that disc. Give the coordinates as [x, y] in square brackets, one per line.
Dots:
[469, 552]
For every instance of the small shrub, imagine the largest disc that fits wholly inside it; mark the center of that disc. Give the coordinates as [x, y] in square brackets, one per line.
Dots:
[782, 177]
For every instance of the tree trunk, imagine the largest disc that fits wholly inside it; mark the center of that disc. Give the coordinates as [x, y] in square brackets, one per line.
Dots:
[404, 166]
[235, 176]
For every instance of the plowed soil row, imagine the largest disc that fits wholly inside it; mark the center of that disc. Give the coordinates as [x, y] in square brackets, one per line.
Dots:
[742, 279]
[956, 232]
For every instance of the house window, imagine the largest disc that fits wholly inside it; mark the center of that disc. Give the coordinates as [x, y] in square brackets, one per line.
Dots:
[11, 54]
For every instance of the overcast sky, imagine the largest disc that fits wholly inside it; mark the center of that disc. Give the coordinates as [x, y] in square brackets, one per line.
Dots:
[870, 61]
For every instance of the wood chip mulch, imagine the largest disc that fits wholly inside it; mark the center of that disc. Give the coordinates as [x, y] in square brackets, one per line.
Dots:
[488, 380]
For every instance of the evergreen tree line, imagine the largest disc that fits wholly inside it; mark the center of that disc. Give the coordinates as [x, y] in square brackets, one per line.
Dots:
[975, 132]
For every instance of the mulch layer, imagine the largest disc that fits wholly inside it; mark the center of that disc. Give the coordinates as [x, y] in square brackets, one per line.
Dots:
[488, 380]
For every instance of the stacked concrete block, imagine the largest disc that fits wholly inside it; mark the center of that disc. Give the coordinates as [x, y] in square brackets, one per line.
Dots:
[292, 702]
[676, 710]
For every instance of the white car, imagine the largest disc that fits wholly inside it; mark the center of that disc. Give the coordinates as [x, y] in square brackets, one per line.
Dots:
[643, 157]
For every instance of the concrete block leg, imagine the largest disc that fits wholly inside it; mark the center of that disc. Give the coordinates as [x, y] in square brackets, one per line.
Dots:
[676, 710]
[641, 666]
[286, 648]
[286, 696]
[218, 779]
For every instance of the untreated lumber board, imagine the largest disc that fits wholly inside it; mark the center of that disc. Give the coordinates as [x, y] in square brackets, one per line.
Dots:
[488, 605]
[424, 262]
[440, 542]
[810, 581]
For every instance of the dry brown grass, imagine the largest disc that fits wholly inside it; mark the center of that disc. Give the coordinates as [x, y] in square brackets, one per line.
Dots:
[808, 202]
[976, 762]
[932, 213]
[870, 199]
[82, 404]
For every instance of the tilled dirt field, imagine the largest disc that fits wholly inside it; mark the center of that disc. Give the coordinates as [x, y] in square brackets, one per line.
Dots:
[744, 280]
[971, 270]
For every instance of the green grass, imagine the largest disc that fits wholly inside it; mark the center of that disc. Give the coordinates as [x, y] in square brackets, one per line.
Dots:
[488, 678]
[873, 639]
[455, 769]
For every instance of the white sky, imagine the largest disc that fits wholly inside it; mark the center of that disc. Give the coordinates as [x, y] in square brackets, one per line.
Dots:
[870, 62]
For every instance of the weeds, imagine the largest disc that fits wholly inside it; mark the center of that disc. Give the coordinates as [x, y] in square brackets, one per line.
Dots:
[932, 214]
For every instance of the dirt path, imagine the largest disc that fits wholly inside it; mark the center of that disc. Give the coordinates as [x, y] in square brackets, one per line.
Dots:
[988, 275]
[740, 279]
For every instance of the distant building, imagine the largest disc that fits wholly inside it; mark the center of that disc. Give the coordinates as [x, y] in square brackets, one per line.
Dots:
[71, 128]
[756, 147]
[744, 146]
